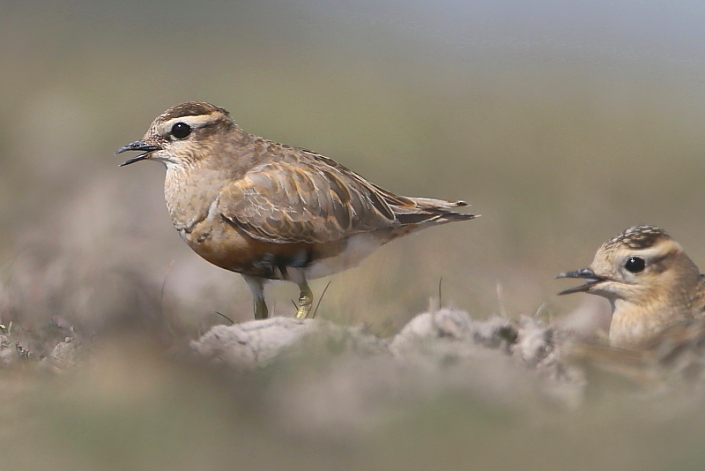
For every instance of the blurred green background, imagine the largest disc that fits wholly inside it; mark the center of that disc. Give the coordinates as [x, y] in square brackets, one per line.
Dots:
[562, 123]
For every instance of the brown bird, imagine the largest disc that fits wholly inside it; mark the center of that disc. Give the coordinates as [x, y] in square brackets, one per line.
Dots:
[271, 211]
[649, 280]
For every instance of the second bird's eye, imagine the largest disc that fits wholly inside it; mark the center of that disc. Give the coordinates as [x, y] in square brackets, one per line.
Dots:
[635, 264]
[180, 130]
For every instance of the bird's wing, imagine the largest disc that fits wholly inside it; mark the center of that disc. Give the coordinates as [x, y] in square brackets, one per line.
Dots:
[310, 201]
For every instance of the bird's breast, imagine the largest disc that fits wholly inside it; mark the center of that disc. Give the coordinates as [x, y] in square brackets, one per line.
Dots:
[637, 324]
[190, 194]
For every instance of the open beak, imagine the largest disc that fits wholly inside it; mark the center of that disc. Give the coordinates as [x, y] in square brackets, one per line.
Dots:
[140, 145]
[584, 273]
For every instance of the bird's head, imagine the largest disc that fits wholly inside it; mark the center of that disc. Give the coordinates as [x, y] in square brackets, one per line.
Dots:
[640, 265]
[182, 135]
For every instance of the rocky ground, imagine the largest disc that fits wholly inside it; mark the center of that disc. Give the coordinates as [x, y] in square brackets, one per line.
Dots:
[446, 392]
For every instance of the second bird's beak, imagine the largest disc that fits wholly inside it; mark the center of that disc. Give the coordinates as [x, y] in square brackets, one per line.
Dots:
[139, 146]
[584, 273]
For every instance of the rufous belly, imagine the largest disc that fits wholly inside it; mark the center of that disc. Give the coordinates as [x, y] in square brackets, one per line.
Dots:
[229, 247]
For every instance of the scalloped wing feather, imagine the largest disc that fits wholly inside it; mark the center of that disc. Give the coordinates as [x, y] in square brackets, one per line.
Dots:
[285, 203]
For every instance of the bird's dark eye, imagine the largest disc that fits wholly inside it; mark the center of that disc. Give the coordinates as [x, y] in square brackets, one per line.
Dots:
[635, 264]
[180, 130]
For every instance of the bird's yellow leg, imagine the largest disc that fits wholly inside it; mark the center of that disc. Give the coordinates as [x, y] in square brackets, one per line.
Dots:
[303, 308]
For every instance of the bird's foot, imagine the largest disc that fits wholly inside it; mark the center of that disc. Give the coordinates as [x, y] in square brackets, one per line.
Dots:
[303, 308]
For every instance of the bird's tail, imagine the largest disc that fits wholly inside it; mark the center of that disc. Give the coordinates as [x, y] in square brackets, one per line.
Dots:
[431, 211]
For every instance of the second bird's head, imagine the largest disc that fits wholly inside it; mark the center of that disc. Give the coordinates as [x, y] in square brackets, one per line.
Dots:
[641, 264]
[182, 135]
